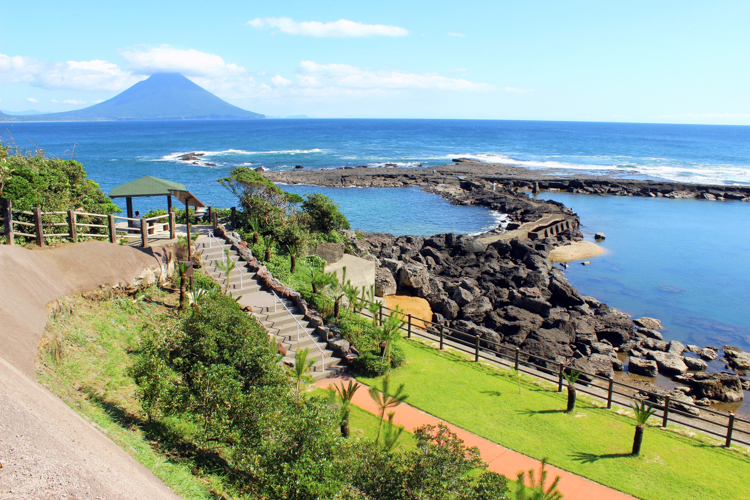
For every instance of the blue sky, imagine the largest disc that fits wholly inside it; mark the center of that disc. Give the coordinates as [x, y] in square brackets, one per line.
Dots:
[655, 61]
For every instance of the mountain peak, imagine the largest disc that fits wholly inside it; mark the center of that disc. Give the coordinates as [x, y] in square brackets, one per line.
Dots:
[161, 96]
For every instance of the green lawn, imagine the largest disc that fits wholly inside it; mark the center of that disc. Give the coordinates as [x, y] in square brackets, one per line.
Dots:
[594, 442]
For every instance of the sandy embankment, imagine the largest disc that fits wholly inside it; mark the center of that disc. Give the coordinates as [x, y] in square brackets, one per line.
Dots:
[575, 251]
[46, 449]
[416, 306]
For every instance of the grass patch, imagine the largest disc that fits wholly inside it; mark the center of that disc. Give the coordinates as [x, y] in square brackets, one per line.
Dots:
[593, 442]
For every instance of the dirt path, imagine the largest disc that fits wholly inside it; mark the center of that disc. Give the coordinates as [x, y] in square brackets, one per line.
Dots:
[499, 459]
[46, 449]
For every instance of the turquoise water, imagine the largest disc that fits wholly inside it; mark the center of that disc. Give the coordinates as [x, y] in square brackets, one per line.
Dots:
[404, 211]
[685, 262]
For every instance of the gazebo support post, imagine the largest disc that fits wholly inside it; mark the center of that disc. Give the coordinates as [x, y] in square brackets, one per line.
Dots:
[169, 203]
[129, 202]
[187, 222]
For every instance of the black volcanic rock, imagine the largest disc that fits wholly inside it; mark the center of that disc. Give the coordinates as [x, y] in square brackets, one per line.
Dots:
[162, 96]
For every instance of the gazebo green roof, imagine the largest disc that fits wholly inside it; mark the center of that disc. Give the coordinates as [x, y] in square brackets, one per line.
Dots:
[145, 186]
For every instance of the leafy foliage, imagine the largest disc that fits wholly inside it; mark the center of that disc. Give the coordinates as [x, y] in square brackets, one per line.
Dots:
[324, 215]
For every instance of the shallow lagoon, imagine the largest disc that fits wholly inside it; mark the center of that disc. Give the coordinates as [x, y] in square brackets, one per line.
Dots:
[685, 262]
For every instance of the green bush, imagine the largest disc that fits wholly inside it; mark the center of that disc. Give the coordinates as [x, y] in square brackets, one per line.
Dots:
[200, 280]
[398, 356]
[324, 214]
[371, 364]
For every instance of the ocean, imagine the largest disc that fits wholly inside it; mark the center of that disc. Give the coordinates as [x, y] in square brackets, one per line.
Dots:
[685, 262]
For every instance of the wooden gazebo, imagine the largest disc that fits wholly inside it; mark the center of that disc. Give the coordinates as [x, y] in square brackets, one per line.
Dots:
[145, 187]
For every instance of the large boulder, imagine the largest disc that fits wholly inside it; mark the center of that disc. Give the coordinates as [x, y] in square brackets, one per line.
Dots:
[413, 276]
[596, 364]
[462, 296]
[669, 364]
[640, 366]
[550, 343]
[717, 386]
[384, 282]
[564, 293]
[695, 364]
[447, 307]
[676, 347]
[470, 245]
[739, 361]
[476, 310]
[615, 336]
[650, 323]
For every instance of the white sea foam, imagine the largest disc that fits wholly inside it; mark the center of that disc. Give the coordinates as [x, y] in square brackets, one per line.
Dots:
[656, 168]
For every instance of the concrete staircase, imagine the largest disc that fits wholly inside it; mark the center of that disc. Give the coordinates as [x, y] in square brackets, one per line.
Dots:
[279, 316]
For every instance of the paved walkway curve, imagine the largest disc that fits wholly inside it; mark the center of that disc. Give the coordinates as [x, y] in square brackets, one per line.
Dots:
[499, 459]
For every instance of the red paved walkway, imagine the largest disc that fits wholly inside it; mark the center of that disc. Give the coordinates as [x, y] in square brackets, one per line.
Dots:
[501, 460]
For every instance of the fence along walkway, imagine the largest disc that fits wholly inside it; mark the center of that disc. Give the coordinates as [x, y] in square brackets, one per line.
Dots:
[726, 427]
[499, 459]
[279, 316]
[71, 224]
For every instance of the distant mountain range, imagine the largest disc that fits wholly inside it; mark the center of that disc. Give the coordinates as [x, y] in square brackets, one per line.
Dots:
[23, 113]
[162, 96]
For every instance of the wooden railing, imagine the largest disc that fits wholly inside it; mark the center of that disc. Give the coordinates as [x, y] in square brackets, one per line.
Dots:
[722, 425]
[73, 225]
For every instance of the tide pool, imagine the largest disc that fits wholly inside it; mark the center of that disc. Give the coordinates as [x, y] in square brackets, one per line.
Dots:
[685, 262]
[403, 211]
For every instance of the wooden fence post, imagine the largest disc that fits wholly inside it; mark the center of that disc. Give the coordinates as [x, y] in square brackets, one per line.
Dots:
[441, 336]
[172, 223]
[665, 420]
[210, 214]
[476, 354]
[72, 225]
[144, 234]
[112, 229]
[214, 220]
[730, 428]
[39, 228]
[9, 222]
[408, 330]
[516, 361]
[560, 379]
[610, 390]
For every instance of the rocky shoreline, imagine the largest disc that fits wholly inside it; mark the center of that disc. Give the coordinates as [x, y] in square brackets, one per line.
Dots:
[505, 290]
[511, 178]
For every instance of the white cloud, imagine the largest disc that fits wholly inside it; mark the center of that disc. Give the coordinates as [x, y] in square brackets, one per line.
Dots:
[73, 101]
[280, 81]
[78, 75]
[456, 34]
[515, 90]
[706, 116]
[189, 62]
[31, 99]
[313, 75]
[54, 100]
[342, 28]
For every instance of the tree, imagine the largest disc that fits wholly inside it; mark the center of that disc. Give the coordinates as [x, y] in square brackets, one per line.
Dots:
[536, 491]
[227, 267]
[642, 414]
[389, 331]
[260, 198]
[292, 250]
[299, 372]
[339, 291]
[373, 305]
[255, 226]
[571, 378]
[182, 268]
[268, 245]
[385, 400]
[324, 214]
[345, 395]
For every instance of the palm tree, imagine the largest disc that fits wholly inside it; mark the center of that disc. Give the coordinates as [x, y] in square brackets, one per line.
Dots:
[373, 305]
[292, 250]
[255, 226]
[299, 372]
[391, 433]
[536, 491]
[571, 378]
[182, 268]
[386, 400]
[338, 292]
[642, 414]
[268, 243]
[345, 395]
[352, 293]
[227, 267]
[389, 331]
